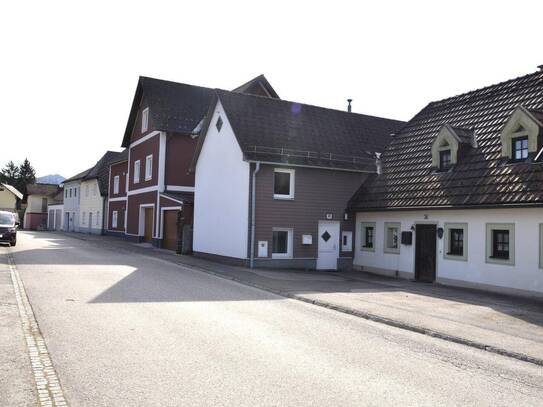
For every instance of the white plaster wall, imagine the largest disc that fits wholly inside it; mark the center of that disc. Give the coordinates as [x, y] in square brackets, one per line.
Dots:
[91, 201]
[221, 198]
[33, 203]
[71, 205]
[524, 275]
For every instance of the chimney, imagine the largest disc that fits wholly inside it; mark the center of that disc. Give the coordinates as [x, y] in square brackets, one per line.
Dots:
[378, 163]
[349, 106]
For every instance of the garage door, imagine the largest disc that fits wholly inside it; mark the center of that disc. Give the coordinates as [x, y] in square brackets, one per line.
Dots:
[170, 230]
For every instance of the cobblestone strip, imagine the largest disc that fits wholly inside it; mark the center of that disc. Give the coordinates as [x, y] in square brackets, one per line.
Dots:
[47, 384]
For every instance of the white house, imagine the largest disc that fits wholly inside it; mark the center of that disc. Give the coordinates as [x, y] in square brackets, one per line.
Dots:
[72, 196]
[459, 200]
[85, 197]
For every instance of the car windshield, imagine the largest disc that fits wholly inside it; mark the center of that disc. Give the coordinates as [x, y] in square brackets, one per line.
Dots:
[7, 219]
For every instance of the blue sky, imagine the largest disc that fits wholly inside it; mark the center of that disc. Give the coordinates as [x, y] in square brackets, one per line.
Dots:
[69, 71]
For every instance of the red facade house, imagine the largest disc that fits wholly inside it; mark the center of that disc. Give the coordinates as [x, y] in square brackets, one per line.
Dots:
[156, 188]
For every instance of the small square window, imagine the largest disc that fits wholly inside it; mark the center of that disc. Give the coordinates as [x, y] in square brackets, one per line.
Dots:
[145, 120]
[500, 243]
[444, 159]
[282, 243]
[520, 148]
[367, 236]
[116, 184]
[392, 237]
[283, 184]
[219, 124]
[455, 241]
[136, 171]
[148, 167]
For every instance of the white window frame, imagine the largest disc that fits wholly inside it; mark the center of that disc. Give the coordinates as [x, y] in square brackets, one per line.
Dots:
[145, 120]
[149, 167]
[290, 195]
[363, 226]
[387, 226]
[116, 180]
[500, 226]
[347, 246]
[447, 244]
[137, 167]
[290, 245]
[114, 219]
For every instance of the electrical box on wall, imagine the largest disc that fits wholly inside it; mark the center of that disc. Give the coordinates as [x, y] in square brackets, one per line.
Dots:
[407, 237]
[262, 248]
[307, 239]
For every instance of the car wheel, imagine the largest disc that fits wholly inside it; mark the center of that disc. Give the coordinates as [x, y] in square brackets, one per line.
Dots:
[13, 243]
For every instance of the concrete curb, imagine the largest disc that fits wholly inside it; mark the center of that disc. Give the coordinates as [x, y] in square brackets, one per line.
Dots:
[376, 318]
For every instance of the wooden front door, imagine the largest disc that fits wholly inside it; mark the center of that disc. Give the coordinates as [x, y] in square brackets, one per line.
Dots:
[425, 253]
[170, 230]
[148, 231]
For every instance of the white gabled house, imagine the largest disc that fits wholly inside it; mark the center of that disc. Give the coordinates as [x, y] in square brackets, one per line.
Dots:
[460, 197]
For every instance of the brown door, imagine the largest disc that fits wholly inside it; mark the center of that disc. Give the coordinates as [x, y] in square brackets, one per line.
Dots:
[425, 253]
[170, 230]
[148, 232]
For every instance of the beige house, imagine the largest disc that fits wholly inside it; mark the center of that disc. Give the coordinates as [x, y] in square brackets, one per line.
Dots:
[10, 198]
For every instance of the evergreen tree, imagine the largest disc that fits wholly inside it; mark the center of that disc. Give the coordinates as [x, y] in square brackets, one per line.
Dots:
[9, 174]
[27, 175]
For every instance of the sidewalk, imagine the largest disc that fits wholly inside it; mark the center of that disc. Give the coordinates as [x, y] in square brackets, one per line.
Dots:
[16, 382]
[498, 323]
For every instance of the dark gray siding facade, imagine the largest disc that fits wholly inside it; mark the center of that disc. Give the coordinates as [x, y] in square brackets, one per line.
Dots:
[318, 192]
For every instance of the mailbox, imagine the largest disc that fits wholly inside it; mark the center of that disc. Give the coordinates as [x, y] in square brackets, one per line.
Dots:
[407, 238]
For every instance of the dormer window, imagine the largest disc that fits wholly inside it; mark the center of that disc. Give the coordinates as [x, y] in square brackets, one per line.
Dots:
[448, 144]
[444, 159]
[520, 134]
[520, 148]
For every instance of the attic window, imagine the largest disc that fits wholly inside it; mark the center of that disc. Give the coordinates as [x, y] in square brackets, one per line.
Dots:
[444, 159]
[520, 148]
[219, 124]
[145, 120]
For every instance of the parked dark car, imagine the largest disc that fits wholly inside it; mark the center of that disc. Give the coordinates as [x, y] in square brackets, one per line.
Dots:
[8, 228]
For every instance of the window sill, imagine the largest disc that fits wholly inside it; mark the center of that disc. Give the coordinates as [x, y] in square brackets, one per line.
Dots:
[367, 249]
[148, 179]
[457, 257]
[390, 250]
[283, 197]
[500, 260]
[281, 256]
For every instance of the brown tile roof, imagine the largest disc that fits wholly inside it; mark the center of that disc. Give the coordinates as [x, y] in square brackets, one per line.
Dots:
[42, 189]
[280, 131]
[481, 177]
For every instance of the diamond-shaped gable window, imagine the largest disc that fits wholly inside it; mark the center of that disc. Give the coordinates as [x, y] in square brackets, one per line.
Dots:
[219, 123]
[326, 236]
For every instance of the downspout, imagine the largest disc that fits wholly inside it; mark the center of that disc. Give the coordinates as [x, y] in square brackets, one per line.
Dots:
[253, 216]
[105, 215]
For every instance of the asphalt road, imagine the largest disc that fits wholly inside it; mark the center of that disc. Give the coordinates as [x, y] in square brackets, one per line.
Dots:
[129, 330]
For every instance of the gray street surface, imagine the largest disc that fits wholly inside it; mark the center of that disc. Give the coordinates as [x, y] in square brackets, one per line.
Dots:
[127, 329]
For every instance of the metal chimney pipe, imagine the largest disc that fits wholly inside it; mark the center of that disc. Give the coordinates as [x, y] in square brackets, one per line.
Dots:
[349, 106]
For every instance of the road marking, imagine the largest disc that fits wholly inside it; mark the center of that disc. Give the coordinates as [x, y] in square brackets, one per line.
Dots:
[47, 384]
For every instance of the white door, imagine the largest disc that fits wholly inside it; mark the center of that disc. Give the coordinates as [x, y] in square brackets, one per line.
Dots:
[328, 245]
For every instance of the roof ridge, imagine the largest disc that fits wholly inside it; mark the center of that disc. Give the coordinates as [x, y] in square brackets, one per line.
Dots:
[305, 104]
[483, 88]
[175, 83]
